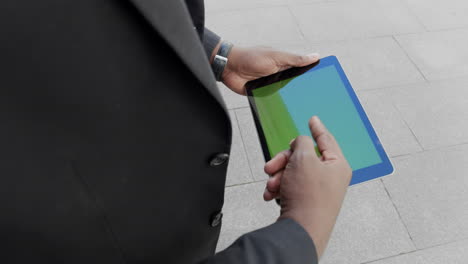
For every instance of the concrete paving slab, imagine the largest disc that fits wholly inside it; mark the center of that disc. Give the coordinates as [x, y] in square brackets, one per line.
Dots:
[245, 211]
[437, 113]
[430, 190]
[368, 227]
[437, 15]
[251, 143]
[439, 55]
[232, 99]
[259, 26]
[355, 19]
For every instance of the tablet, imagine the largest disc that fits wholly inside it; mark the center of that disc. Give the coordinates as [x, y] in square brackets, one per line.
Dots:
[283, 103]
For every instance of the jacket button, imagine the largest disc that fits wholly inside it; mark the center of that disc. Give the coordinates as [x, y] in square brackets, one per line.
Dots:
[216, 219]
[219, 159]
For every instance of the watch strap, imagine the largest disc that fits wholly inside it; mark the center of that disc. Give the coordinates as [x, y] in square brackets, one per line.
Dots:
[225, 49]
[221, 59]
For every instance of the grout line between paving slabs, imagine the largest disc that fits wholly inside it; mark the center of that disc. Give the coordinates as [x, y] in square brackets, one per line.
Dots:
[405, 155]
[238, 108]
[245, 147]
[446, 147]
[391, 86]
[409, 57]
[399, 215]
[412, 12]
[361, 38]
[432, 31]
[357, 38]
[297, 23]
[448, 29]
[237, 9]
[244, 183]
[441, 148]
[403, 84]
[407, 125]
[417, 250]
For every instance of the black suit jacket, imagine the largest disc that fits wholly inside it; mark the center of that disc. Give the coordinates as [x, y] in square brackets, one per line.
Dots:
[109, 118]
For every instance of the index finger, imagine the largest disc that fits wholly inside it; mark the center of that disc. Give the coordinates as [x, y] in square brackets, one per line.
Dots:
[278, 162]
[324, 139]
[303, 146]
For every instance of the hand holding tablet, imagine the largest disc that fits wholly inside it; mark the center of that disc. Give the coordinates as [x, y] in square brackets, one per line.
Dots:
[283, 103]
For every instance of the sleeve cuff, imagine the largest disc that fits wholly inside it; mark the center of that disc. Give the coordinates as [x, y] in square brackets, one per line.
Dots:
[210, 40]
[285, 241]
[295, 240]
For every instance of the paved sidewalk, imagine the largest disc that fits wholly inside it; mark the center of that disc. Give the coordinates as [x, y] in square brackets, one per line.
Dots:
[408, 60]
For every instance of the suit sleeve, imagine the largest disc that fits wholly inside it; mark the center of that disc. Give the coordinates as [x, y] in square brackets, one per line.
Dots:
[282, 242]
[210, 40]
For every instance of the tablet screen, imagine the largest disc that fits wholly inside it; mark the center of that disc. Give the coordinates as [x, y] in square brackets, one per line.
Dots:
[284, 108]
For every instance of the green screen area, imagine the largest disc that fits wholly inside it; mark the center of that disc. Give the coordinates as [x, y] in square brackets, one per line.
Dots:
[284, 109]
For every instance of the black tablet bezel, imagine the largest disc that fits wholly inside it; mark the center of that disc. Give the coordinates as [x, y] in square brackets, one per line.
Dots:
[267, 80]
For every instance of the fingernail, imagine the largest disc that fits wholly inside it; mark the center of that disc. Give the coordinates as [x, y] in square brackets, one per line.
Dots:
[292, 140]
[313, 56]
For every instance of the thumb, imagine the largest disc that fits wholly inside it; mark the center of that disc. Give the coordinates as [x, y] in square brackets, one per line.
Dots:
[293, 60]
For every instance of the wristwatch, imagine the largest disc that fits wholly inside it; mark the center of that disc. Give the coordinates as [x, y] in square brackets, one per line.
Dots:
[220, 60]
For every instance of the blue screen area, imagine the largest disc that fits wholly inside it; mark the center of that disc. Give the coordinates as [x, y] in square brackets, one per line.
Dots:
[284, 109]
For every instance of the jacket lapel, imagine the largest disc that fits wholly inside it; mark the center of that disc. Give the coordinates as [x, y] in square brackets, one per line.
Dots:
[172, 20]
